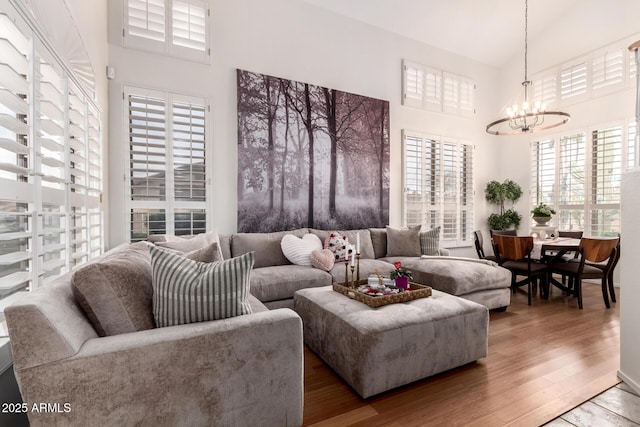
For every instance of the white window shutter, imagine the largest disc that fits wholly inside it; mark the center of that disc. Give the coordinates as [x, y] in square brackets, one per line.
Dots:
[451, 93]
[412, 84]
[573, 82]
[146, 19]
[438, 186]
[607, 70]
[189, 20]
[167, 168]
[467, 97]
[545, 89]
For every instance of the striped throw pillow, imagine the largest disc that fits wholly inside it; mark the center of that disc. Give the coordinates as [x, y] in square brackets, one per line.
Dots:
[187, 291]
[430, 241]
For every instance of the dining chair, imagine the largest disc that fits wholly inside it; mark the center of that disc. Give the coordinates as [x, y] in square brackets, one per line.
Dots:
[514, 254]
[592, 251]
[570, 256]
[478, 241]
[603, 265]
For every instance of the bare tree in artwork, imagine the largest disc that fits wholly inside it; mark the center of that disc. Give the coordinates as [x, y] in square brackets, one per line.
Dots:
[324, 152]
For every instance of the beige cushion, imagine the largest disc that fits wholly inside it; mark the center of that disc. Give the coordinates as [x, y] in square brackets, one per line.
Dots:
[191, 243]
[403, 242]
[116, 292]
[210, 253]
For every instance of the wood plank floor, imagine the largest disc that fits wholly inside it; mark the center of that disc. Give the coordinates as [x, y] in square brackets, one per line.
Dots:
[544, 360]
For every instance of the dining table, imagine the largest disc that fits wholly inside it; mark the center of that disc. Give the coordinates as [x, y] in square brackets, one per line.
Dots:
[552, 250]
[547, 250]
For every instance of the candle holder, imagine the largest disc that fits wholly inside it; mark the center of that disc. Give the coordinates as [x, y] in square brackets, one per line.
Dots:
[353, 284]
[358, 266]
[346, 272]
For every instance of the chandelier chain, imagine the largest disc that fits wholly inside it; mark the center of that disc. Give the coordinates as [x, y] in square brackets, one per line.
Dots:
[526, 36]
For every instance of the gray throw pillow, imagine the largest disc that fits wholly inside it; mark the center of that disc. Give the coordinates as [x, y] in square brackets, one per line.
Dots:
[430, 241]
[115, 293]
[187, 291]
[403, 242]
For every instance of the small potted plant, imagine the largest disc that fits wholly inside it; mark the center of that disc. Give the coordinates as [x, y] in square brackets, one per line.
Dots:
[401, 275]
[542, 213]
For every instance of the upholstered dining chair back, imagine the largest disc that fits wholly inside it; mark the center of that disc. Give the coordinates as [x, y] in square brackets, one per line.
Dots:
[570, 234]
[598, 250]
[512, 247]
[478, 240]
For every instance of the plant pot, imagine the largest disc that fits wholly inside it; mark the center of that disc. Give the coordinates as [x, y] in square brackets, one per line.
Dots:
[402, 282]
[542, 220]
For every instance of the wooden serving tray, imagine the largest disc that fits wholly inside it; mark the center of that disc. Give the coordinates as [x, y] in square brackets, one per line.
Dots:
[415, 291]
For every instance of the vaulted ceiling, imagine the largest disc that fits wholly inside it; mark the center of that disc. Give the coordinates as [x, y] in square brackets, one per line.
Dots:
[489, 31]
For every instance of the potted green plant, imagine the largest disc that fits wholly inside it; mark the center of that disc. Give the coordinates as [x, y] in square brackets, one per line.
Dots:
[542, 214]
[497, 193]
[401, 275]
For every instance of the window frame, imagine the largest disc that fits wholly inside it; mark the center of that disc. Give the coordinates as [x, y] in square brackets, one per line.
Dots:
[170, 205]
[168, 46]
[439, 205]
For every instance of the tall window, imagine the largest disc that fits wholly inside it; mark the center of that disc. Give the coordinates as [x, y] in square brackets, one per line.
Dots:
[167, 178]
[50, 164]
[438, 185]
[174, 27]
[579, 175]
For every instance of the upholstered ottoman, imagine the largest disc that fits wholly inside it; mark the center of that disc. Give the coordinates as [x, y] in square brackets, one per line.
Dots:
[377, 349]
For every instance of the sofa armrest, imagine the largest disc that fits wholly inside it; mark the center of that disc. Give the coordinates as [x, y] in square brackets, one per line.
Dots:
[246, 370]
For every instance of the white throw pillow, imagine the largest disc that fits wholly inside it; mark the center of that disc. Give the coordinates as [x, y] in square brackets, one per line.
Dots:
[298, 250]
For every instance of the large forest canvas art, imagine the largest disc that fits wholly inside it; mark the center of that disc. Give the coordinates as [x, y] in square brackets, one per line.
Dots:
[310, 156]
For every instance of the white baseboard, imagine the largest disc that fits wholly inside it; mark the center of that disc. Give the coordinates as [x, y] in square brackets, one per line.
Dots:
[628, 381]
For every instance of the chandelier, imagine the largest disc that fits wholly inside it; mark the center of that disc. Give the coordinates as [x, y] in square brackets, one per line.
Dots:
[529, 116]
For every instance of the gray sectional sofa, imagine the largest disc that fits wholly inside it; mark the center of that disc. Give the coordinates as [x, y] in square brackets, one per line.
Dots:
[274, 279]
[245, 370]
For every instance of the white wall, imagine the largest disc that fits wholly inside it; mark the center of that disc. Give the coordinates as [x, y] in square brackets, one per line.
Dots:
[295, 40]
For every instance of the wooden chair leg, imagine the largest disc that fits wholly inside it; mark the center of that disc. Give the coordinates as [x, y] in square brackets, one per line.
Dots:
[605, 293]
[578, 291]
[529, 290]
[612, 291]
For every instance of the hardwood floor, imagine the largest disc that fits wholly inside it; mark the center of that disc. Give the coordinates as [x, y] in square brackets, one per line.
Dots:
[544, 360]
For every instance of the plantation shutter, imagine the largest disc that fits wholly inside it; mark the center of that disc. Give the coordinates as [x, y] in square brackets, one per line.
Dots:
[438, 186]
[545, 89]
[146, 19]
[572, 197]
[147, 149]
[451, 94]
[16, 217]
[189, 24]
[422, 180]
[573, 82]
[449, 191]
[543, 174]
[167, 164]
[606, 172]
[467, 97]
[413, 85]
[466, 191]
[607, 70]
